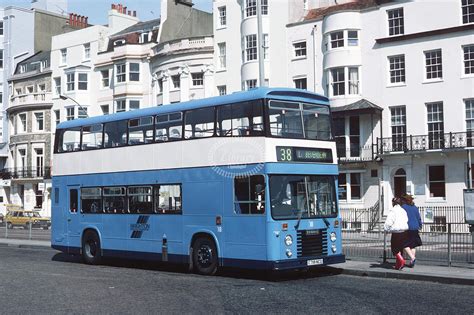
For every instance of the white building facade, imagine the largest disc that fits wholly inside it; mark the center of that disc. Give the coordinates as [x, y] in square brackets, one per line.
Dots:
[399, 75]
[76, 92]
[182, 61]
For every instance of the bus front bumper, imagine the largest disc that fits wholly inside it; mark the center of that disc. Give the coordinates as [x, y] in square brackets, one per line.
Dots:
[307, 262]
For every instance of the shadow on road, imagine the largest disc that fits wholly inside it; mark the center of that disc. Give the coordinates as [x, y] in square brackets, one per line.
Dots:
[382, 266]
[237, 273]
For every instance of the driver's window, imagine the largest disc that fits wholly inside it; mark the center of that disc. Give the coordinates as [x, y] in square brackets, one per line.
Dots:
[249, 195]
[73, 200]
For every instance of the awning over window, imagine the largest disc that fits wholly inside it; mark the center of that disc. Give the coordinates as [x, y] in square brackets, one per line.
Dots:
[360, 107]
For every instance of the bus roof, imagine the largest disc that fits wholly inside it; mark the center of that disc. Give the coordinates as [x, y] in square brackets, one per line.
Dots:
[258, 93]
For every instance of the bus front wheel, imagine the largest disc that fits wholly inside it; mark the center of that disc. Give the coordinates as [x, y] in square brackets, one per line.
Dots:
[91, 252]
[205, 256]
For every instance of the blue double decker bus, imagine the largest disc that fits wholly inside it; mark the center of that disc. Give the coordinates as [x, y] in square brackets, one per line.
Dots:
[242, 180]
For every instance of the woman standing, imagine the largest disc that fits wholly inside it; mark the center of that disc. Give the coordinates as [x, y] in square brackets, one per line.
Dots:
[413, 239]
[397, 224]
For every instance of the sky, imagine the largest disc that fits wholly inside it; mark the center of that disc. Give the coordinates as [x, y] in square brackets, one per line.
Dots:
[97, 10]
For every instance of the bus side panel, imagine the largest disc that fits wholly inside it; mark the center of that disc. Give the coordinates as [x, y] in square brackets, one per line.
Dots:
[202, 203]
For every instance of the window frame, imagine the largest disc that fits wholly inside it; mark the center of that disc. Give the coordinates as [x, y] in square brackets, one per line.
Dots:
[70, 81]
[39, 124]
[468, 59]
[396, 21]
[134, 74]
[398, 126]
[429, 182]
[467, 12]
[121, 72]
[169, 212]
[433, 69]
[250, 202]
[57, 87]
[222, 16]
[63, 56]
[105, 80]
[250, 8]
[435, 124]
[87, 51]
[81, 84]
[197, 79]
[251, 49]
[301, 83]
[300, 50]
[349, 187]
[337, 39]
[396, 70]
[222, 49]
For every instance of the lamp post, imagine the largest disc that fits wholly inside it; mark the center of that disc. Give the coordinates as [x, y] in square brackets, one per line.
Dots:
[64, 97]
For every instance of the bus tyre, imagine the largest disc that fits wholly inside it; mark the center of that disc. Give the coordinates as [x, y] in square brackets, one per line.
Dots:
[204, 256]
[9, 225]
[91, 252]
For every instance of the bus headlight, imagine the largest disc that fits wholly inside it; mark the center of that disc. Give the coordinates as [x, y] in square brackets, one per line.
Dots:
[334, 248]
[288, 240]
[289, 253]
[333, 237]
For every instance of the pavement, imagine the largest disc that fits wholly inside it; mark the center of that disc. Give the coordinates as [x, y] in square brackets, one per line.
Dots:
[463, 275]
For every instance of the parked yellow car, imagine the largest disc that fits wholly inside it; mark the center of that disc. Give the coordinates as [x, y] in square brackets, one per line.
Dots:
[25, 218]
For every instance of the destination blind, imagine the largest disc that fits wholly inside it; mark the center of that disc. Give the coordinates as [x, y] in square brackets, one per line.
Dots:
[298, 154]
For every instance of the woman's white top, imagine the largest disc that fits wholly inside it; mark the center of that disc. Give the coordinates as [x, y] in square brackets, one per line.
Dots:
[397, 220]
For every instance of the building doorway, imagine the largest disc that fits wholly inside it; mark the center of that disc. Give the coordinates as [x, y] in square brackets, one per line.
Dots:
[400, 182]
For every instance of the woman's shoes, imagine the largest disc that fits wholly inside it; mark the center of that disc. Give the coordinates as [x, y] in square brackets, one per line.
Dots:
[411, 264]
[400, 262]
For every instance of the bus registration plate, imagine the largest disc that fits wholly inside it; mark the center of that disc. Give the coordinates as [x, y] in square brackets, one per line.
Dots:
[314, 262]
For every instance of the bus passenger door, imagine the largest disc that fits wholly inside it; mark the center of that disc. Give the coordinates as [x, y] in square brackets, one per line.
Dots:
[73, 219]
[246, 221]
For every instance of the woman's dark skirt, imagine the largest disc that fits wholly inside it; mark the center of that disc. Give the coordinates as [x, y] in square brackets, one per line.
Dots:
[397, 241]
[412, 239]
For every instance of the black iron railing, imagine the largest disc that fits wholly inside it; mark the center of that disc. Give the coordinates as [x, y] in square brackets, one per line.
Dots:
[25, 172]
[354, 153]
[434, 141]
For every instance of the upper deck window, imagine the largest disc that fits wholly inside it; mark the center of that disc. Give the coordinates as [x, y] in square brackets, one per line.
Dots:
[240, 119]
[299, 120]
[169, 127]
[70, 140]
[92, 137]
[140, 130]
[199, 123]
[115, 134]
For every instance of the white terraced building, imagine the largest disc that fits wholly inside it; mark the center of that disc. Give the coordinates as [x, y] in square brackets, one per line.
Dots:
[399, 75]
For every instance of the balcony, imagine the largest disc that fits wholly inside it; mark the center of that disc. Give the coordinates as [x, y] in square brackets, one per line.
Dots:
[30, 99]
[354, 154]
[435, 141]
[26, 173]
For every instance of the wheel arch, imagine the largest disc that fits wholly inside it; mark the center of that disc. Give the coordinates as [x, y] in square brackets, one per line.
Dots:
[96, 231]
[208, 234]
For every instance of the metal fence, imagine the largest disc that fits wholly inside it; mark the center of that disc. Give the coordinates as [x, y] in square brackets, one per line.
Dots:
[26, 232]
[445, 236]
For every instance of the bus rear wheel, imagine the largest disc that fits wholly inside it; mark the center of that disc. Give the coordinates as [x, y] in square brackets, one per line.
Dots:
[205, 256]
[91, 251]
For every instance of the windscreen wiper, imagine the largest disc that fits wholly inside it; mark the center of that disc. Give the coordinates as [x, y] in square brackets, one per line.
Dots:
[300, 215]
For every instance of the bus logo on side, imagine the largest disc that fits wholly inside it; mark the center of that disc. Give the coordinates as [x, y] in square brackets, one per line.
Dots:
[139, 227]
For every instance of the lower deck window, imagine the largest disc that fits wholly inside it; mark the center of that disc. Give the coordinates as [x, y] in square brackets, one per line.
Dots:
[249, 195]
[168, 199]
[164, 199]
[140, 199]
[91, 200]
[115, 200]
